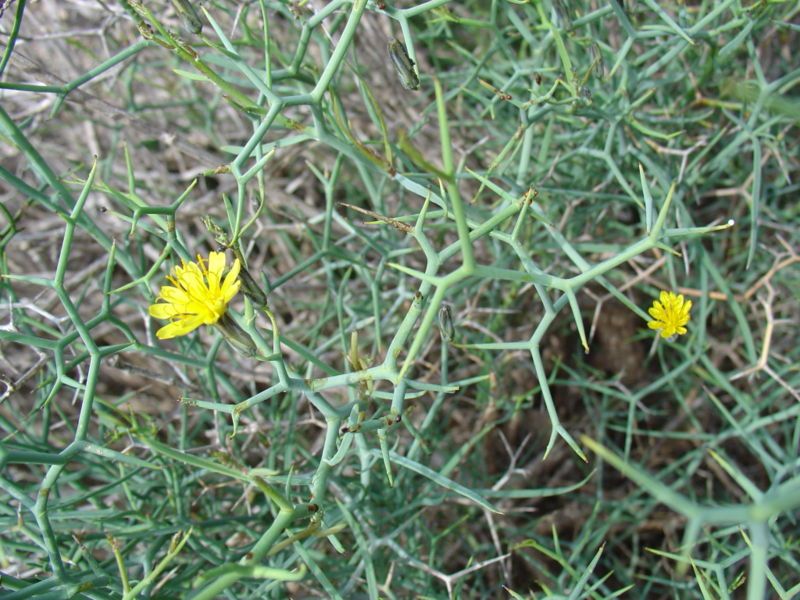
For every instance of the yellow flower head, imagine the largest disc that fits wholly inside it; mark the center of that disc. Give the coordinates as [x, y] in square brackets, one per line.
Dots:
[197, 296]
[670, 313]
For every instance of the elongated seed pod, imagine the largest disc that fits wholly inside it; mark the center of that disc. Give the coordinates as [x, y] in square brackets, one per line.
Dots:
[403, 65]
[597, 60]
[446, 328]
[251, 288]
[189, 17]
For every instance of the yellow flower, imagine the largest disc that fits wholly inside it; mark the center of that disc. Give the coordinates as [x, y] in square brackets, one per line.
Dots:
[197, 296]
[670, 314]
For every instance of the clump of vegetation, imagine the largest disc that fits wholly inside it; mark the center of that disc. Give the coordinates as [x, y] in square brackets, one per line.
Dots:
[393, 299]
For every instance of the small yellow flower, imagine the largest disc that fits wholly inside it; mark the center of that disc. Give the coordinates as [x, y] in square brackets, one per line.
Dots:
[670, 313]
[197, 296]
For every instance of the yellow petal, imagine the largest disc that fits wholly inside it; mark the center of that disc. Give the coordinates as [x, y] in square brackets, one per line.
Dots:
[216, 265]
[657, 311]
[195, 307]
[174, 295]
[192, 280]
[231, 284]
[163, 310]
[179, 327]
